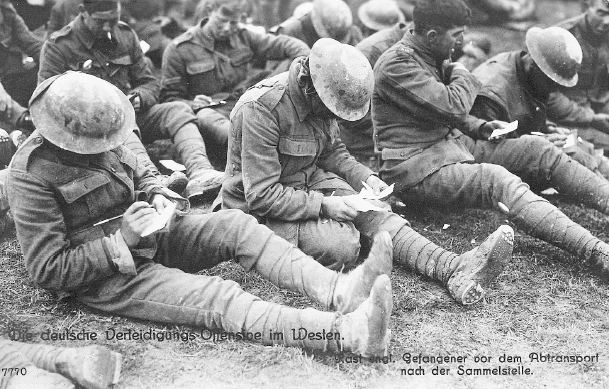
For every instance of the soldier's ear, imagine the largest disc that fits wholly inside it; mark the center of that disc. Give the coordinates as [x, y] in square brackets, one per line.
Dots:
[432, 36]
[81, 8]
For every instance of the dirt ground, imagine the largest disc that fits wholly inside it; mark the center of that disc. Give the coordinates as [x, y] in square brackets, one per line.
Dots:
[545, 303]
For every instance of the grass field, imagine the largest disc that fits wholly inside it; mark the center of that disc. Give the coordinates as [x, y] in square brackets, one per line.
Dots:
[545, 302]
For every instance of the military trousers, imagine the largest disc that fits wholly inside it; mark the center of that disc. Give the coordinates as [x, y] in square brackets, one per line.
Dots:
[164, 290]
[164, 120]
[501, 173]
[334, 244]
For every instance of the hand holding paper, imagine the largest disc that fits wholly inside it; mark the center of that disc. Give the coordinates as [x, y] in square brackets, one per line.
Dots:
[160, 221]
[505, 130]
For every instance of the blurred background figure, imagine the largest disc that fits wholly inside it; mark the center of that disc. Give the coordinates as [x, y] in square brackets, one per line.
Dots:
[376, 15]
[327, 19]
[474, 51]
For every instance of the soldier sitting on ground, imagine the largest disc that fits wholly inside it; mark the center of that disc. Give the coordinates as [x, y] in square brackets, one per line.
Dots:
[328, 19]
[210, 66]
[97, 43]
[288, 167]
[517, 85]
[419, 103]
[86, 212]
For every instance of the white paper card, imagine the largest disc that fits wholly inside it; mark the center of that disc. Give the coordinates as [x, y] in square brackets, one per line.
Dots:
[360, 204]
[172, 165]
[509, 128]
[160, 220]
[368, 193]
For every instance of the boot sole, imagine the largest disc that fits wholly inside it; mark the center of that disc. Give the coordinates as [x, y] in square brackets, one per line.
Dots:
[178, 185]
[106, 372]
[382, 304]
[493, 263]
[207, 193]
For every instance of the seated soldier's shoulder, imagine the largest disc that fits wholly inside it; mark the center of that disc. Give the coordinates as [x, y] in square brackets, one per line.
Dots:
[64, 32]
[27, 153]
[187, 36]
[267, 92]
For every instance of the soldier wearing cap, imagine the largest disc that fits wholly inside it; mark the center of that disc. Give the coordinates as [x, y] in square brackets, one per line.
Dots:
[327, 19]
[210, 65]
[288, 167]
[517, 86]
[85, 211]
[420, 102]
[97, 43]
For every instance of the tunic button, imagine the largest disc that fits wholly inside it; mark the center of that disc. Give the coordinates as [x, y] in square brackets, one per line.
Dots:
[280, 87]
[113, 169]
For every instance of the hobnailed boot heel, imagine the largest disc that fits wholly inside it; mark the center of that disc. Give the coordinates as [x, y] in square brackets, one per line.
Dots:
[365, 331]
[480, 264]
[599, 259]
[478, 267]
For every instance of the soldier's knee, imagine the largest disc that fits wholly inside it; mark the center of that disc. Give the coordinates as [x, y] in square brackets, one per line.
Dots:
[214, 125]
[235, 217]
[338, 251]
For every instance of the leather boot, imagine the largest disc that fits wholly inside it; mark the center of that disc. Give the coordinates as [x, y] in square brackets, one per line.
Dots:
[93, 367]
[289, 268]
[465, 275]
[177, 181]
[364, 331]
[599, 259]
[36, 378]
[204, 181]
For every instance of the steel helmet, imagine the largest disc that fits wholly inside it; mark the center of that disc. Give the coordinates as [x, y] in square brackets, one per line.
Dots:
[331, 18]
[342, 77]
[557, 53]
[302, 9]
[380, 14]
[82, 113]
